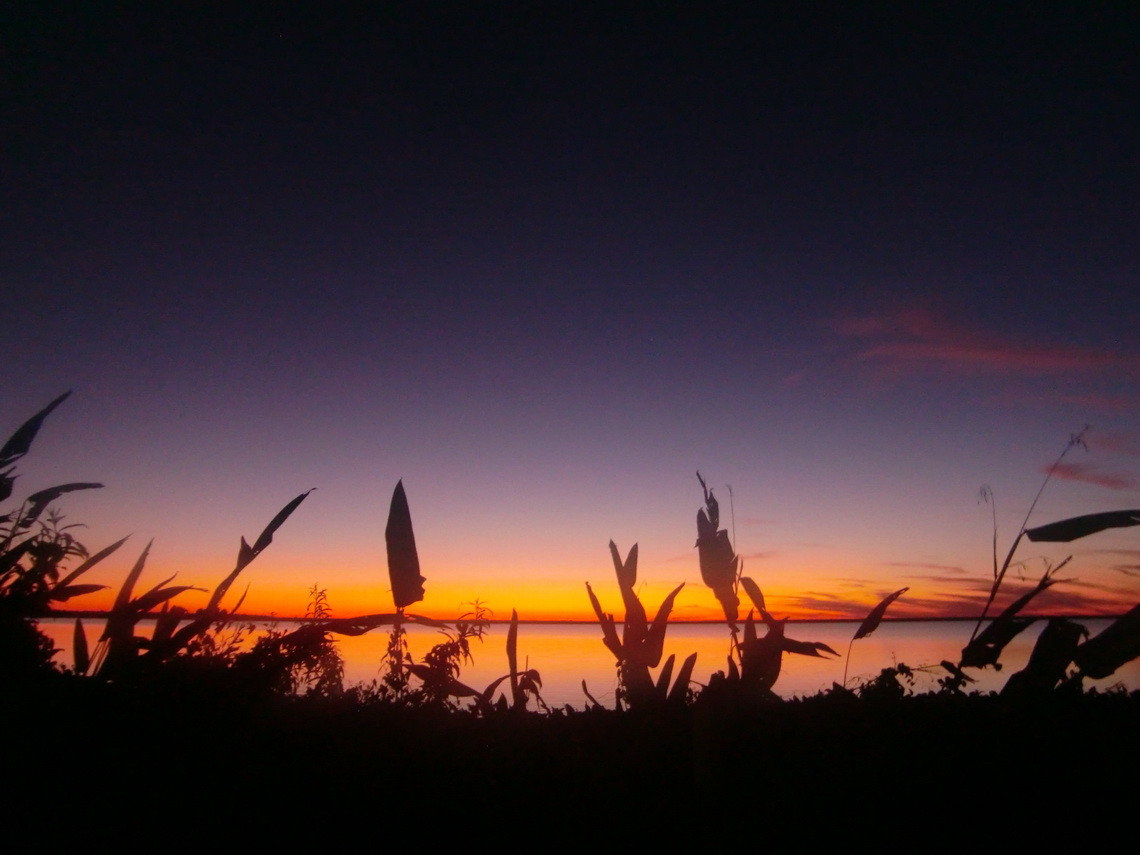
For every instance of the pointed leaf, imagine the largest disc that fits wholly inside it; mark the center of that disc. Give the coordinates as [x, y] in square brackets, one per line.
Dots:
[63, 593]
[665, 676]
[753, 591]
[749, 628]
[807, 648]
[486, 695]
[247, 553]
[79, 648]
[92, 561]
[654, 644]
[159, 596]
[19, 443]
[1077, 527]
[241, 600]
[627, 572]
[609, 632]
[680, 688]
[125, 592]
[871, 622]
[403, 560]
[266, 536]
[38, 501]
[635, 625]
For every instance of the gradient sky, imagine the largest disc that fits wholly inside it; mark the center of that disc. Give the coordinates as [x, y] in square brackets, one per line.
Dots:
[544, 261]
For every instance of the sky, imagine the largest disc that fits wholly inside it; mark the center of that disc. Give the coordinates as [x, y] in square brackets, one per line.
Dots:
[544, 262]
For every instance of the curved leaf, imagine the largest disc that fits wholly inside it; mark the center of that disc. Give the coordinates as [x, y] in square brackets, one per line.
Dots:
[21, 441]
[92, 561]
[650, 654]
[247, 553]
[871, 622]
[1116, 645]
[1073, 528]
[40, 500]
[807, 648]
[753, 591]
[63, 593]
[627, 571]
[680, 688]
[609, 632]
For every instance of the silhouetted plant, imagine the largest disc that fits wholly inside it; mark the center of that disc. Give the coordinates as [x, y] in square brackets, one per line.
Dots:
[1075, 440]
[123, 655]
[33, 552]
[870, 624]
[524, 685]
[758, 659]
[720, 567]
[1059, 645]
[761, 657]
[641, 644]
[892, 684]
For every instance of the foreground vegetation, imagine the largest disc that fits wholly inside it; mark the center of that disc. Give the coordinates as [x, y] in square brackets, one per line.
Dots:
[197, 697]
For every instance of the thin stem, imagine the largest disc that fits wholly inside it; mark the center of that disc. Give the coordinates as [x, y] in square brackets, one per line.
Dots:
[1074, 440]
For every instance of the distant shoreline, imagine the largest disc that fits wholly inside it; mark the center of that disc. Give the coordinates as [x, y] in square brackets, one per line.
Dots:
[102, 615]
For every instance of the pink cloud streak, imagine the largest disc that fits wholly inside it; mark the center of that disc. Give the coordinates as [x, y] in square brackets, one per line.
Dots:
[917, 338]
[1089, 475]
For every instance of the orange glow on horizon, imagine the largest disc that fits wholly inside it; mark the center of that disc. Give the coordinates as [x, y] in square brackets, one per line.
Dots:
[561, 600]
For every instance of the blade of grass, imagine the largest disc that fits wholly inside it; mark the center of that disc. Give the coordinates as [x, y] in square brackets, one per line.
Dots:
[92, 561]
[1074, 440]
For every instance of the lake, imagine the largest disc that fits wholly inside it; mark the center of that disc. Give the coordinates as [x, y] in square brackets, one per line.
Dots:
[566, 654]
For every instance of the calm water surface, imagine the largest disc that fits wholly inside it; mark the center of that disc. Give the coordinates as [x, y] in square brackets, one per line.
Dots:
[567, 654]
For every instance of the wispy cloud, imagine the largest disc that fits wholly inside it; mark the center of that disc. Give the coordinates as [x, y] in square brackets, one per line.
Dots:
[1090, 475]
[946, 568]
[916, 339]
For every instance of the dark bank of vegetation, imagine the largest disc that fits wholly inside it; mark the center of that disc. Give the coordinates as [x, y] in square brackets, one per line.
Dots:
[196, 701]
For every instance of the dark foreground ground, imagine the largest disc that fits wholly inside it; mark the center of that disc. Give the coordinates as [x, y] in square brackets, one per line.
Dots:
[117, 766]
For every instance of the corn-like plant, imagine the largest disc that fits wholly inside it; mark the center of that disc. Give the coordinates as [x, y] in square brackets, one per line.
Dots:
[524, 685]
[720, 566]
[761, 657]
[641, 644]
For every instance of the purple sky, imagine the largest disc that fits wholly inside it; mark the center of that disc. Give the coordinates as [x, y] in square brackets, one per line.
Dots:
[544, 264]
